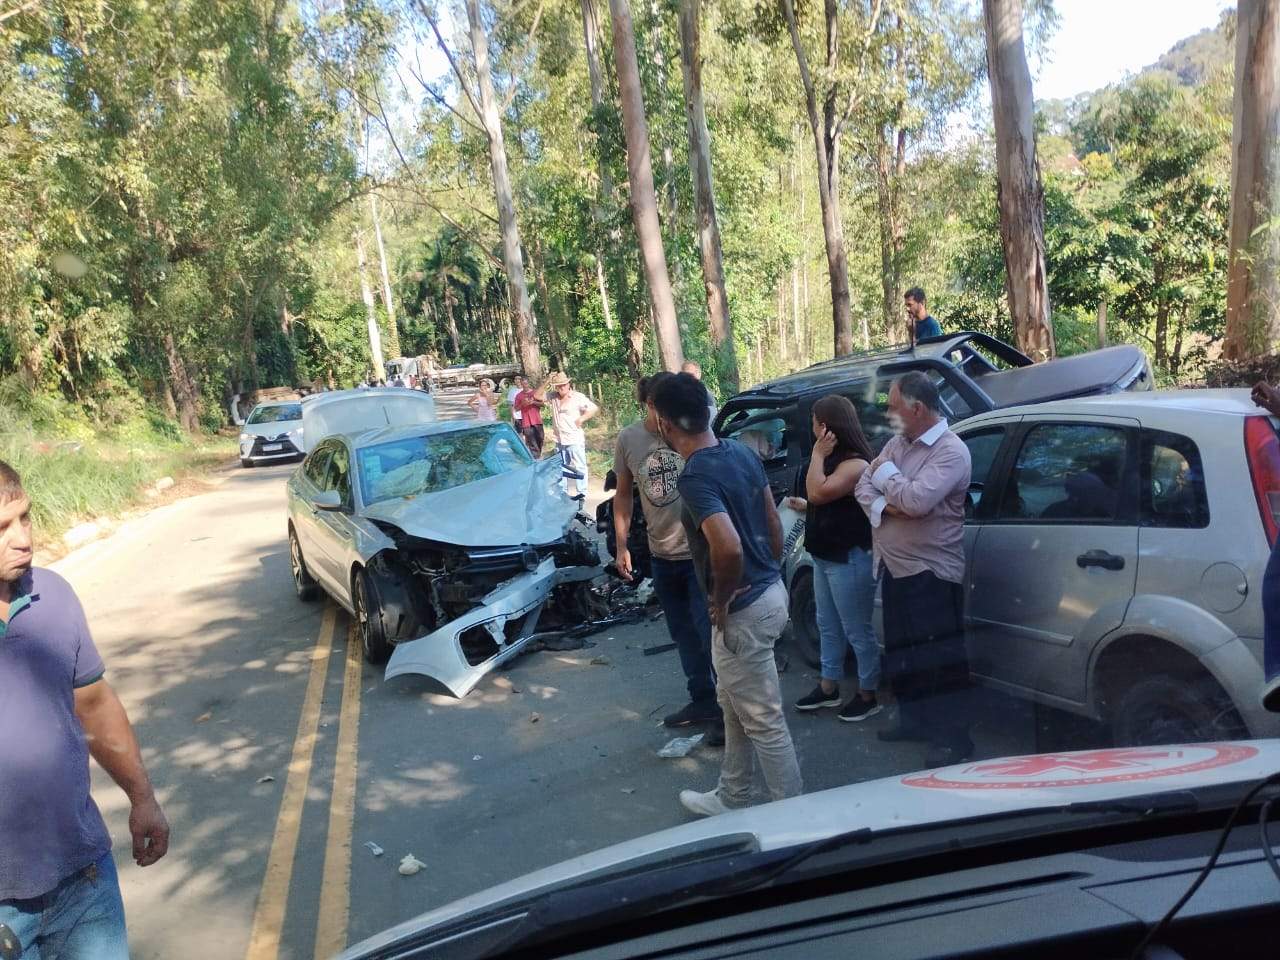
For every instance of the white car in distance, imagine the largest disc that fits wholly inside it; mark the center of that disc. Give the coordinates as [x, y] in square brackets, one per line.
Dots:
[272, 432]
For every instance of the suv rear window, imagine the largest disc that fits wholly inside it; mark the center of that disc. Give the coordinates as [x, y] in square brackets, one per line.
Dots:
[762, 429]
[1173, 491]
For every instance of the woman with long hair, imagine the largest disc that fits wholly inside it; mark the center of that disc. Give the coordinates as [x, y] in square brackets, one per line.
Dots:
[837, 535]
[485, 402]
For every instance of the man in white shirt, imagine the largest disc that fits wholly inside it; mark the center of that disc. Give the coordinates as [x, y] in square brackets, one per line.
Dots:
[569, 411]
[519, 384]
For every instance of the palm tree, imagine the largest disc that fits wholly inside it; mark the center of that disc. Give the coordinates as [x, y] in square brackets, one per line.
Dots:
[450, 271]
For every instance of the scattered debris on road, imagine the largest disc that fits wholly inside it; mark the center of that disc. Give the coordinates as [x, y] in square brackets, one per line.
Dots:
[477, 757]
[658, 648]
[375, 849]
[409, 865]
[601, 662]
[267, 779]
[535, 717]
[628, 790]
[208, 715]
[680, 746]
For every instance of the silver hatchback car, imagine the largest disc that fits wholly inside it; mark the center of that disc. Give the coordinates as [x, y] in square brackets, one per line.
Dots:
[1115, 548]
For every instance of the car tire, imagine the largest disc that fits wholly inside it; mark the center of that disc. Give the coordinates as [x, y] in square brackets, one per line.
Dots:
[303, 583]
[247, 464]
[369, 626]
[804, 620]
[1173, 708]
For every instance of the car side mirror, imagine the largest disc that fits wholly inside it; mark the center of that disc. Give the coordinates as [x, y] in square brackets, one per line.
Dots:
[328, 500]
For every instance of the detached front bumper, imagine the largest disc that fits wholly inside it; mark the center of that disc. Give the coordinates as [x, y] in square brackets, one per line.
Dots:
[462, 651]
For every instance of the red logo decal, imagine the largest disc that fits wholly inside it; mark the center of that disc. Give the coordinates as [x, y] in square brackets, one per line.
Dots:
[1084, 768]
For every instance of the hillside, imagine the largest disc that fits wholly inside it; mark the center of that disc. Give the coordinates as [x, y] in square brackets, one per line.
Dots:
[1189, 62]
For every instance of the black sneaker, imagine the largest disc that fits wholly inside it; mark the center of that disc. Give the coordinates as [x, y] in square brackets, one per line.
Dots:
[715, 736]
[816, 699]
[691, 713]
[858, 709]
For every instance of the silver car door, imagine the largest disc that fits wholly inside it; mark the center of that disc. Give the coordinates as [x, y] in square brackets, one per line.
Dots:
[333, 530]
[987, 443]
[308, 482]
[1055, 567]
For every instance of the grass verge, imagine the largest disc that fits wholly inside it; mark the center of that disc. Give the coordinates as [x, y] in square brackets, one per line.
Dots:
[70, 482]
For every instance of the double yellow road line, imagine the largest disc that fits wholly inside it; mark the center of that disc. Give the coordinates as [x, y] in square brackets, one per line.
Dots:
[335, 886]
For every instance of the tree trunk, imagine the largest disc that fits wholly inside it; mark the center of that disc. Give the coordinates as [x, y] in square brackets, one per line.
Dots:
[1020, 194]
[453, 327]
[591, 39]
[890, 299]
[1162, 335]
[827, 148]
[183, 388]
[371, 311]
[393, 339]
[522, 312]
[1253, 272]
[708, 226]
[644, 204]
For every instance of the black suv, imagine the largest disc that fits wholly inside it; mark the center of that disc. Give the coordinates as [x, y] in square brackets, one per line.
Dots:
[974, 373]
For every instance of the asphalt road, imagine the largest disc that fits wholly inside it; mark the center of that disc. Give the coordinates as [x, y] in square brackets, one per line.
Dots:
[277, 754]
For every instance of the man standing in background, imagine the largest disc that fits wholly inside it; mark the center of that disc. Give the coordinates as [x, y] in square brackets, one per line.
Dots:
[569, 411]
[529, 409]
[914, 494]
[919, 320]
[59, 894]
[516, 386]
[735, 537]
[642, 460]
[694, 369]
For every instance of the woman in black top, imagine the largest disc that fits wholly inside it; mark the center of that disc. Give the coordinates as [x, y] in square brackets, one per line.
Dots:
[838, 538]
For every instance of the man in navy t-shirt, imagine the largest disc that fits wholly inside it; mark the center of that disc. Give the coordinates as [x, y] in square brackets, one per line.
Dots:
[59, 895]
[735, 537]
[919, 318]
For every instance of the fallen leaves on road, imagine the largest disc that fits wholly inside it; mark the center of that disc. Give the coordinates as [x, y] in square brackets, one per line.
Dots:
[204, 716]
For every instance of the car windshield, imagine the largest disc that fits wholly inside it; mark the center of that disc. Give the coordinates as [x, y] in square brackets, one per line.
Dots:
[428, 464]
[276, 413]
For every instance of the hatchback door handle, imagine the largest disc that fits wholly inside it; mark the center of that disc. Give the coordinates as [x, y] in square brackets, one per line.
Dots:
[1100, 558]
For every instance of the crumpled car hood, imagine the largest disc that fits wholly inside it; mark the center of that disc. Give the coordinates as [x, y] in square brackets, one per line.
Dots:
[522, 507]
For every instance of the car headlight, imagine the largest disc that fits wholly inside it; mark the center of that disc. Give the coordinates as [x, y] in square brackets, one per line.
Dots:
[245, 436]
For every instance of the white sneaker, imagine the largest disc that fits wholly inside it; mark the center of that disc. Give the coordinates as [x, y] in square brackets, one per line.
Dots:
[703, 804]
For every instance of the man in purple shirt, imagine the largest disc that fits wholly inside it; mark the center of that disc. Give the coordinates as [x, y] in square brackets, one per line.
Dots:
[59, 895]
[914, 494]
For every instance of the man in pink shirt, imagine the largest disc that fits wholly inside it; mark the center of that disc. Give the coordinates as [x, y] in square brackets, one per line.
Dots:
[914, 494]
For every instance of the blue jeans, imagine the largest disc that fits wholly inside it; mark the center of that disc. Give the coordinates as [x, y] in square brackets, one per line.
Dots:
[685, 608]
[845, 594]
[82, 918]
[574, 458]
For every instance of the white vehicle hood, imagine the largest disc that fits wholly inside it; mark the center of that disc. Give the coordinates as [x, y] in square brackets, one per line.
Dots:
[523, 507]
[925, 797]
[355, 411]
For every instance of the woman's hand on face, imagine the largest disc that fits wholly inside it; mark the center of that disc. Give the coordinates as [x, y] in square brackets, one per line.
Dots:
[825, 444]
